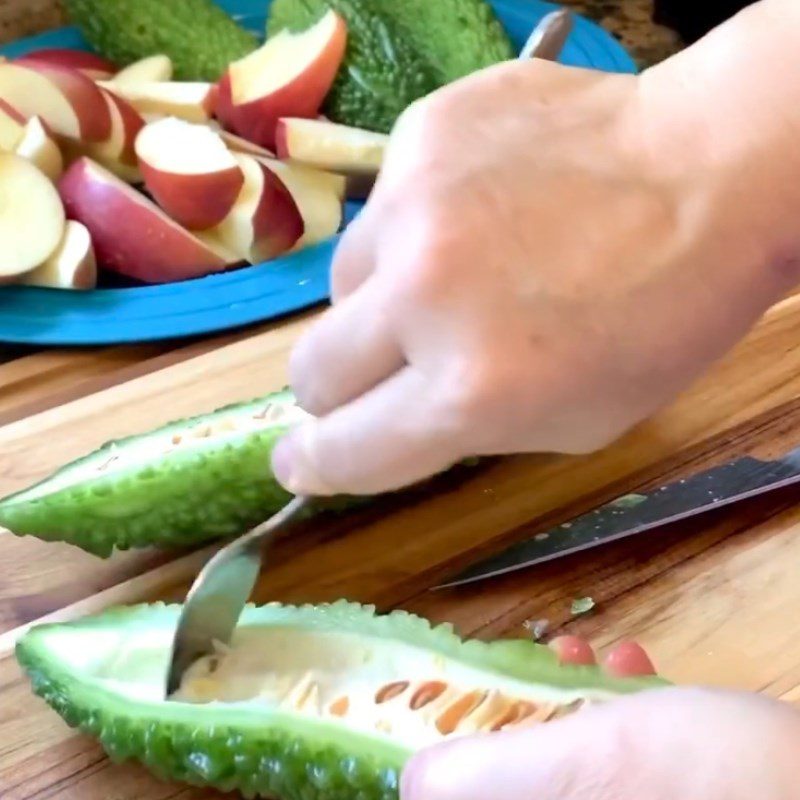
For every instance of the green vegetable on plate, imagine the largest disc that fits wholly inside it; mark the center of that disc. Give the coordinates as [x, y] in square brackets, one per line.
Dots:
[199, 37]
[398, 52]
[307, 703]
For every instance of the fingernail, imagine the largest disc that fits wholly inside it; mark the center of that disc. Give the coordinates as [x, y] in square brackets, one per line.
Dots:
[293, 466]
[628, 659]
[573, 650]
[284, 457]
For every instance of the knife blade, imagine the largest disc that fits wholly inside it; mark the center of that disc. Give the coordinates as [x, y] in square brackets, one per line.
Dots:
[637, 513]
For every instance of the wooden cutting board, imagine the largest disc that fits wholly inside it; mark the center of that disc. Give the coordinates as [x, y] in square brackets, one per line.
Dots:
[714, 599]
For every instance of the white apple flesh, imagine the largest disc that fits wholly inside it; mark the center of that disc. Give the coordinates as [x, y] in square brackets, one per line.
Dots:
[41, 149]
[71, 266]
[289, 76]
[12, 127]
[353, 152]
[156, 68]
[70, 103]
[131, 234]
[32, 216]
[190, 101]
[189, 172]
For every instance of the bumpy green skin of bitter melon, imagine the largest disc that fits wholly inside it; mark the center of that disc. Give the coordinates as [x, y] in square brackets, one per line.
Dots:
[199, 37]
[382, 73]
[269, 754]
[398, 52]
[176, 498]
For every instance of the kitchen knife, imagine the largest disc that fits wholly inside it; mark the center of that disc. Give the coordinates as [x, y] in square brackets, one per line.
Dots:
[637, 513]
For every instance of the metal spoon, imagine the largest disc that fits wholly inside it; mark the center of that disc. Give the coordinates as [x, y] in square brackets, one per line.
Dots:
[220, 592]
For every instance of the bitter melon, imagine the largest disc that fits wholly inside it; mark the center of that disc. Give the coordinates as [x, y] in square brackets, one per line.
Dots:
[187, 482]
[199, 37]
[398, 52]
[308, 702]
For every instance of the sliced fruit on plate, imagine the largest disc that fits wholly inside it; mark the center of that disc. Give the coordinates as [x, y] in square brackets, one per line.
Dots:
[131, 234]
[319, 196]
[353, 152]
[118, 152]
[190, 101]
[12, 127]
[31, 216]
[92, 65]
[156, 68]
[289, 76]
[70, 103]
[189, 172]
[265, 220]
[72, 264]
[39, 146]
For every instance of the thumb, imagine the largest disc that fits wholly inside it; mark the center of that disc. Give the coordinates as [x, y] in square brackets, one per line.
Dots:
[387, 438]
[546, 761]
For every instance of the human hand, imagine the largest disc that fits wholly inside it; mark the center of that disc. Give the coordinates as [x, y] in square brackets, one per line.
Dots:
[657, 745]
[549, 256]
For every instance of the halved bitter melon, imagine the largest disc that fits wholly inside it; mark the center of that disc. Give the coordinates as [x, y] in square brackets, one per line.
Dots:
[191, 481]
[308, 703]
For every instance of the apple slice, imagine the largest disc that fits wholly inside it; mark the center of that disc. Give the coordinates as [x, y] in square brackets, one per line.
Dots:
[93, 66]
[131, 234]
[238, 145]
[64, 98]
[353, 152]
[156, 68]
[319, 196]
[118, 152]
[31, 216]
[190, 101]
[189, 172]
[72, 264]
[40, 148]
[12, 127]
[264, 221]
[289, 76]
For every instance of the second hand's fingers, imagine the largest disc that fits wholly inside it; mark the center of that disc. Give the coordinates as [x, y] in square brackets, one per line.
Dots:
[626, 660]
[354, 258]
[346, 352]
[384, 440]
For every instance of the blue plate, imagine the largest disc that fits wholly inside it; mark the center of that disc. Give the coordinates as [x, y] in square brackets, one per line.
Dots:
[253, 294]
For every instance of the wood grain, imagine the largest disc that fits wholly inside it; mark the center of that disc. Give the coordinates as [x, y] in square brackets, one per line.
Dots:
[712, 599]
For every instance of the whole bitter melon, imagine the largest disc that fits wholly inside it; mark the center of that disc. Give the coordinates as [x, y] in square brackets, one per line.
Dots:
[191, 481]
[199, 37]
[398, 52]
[308, 703]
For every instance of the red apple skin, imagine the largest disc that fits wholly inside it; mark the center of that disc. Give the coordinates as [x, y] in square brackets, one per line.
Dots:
[281, 140]
[301, 97]
[197, 201]
[12, 112]
[132, 123]
[76, 59]
[277, 222]
[83, 94]
[131, 235]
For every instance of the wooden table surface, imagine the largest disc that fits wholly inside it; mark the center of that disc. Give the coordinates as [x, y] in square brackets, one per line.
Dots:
[715, 599]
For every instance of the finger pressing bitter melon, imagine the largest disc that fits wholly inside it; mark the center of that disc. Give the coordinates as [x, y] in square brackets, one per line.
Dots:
[191, 481]
[307, 703]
